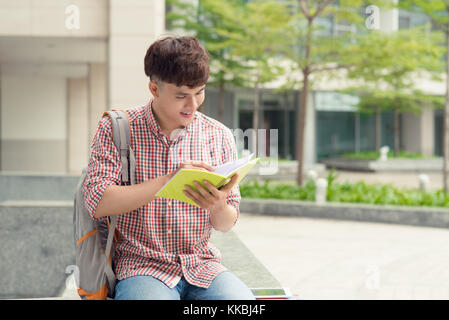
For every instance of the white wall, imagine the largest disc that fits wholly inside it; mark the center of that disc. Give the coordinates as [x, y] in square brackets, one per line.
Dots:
[134, 25]
[49, 18]
[33, 123]
[77, 127]
[32, 108]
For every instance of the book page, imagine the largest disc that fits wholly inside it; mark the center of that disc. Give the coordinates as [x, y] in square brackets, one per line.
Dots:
[228, 167]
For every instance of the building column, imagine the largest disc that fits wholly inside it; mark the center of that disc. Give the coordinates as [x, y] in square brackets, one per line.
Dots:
[77, 124]
[128, 43]
[427, 132]
[389, 20]
[1, 126]
[97, 97]
[310, 132]
[418, 132]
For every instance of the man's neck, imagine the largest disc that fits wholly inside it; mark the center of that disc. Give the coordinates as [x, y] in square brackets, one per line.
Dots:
[165, 128]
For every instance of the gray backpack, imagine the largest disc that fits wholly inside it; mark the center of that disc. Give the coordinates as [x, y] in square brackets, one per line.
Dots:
[94, 239]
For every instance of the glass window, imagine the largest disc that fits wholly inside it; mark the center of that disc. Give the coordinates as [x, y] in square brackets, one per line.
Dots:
[404, 22]
[334, 133]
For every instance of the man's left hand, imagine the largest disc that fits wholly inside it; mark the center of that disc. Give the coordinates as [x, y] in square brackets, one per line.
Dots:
[211, 198]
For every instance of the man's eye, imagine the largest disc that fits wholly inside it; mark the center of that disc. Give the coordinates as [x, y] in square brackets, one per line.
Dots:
[180, 97]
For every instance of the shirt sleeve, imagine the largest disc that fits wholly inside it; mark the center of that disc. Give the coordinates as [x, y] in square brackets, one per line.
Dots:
[230, 154]
[104, 167]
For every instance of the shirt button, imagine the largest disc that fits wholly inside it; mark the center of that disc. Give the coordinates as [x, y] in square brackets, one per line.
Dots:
[168, 231]
[169, 203]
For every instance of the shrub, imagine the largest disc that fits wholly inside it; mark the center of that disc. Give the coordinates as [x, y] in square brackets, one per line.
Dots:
[359, 192]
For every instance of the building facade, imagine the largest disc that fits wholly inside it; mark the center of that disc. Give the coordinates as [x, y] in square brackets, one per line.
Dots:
[334, 126]
[63, 63]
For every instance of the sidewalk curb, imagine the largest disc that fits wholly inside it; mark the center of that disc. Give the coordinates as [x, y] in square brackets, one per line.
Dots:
[414, 216]
[390, 165]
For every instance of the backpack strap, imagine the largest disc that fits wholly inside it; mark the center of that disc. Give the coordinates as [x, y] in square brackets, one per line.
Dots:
[122, 141]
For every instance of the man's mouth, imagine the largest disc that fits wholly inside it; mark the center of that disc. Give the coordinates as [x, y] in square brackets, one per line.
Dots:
[187, 114]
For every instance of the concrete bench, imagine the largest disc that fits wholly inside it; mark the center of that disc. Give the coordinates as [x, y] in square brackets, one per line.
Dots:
[37, 248]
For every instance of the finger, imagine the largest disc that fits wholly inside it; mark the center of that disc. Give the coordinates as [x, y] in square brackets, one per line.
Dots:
[189, 192]
[204, 166]
[208, 167]
[195, 167]
[196, 197]
[212, 189]
[203, 191]
[227, 187]
[200, 164]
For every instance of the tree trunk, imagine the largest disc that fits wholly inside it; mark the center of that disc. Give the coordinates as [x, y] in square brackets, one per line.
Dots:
[378, 129]
[301, 127]
[221, 102]
[255, 117]
[446, 119]
[396, 132]
[302, 112]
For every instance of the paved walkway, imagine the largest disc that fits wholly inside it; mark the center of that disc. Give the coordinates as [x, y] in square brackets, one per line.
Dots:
[326, 259]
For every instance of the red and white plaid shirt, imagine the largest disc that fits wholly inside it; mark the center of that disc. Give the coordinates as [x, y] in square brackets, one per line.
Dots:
[166, 238]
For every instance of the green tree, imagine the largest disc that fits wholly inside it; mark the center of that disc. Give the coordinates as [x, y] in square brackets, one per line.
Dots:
[242, 39]
[318, 52]
[388, 65]
[211, 21]
[438, 11]
[264, 25]
[375, 102]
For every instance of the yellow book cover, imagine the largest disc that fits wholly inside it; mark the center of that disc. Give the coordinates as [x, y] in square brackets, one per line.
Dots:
[173, 189]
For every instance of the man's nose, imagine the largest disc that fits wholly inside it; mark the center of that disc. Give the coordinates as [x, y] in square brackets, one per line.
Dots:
[192, 102]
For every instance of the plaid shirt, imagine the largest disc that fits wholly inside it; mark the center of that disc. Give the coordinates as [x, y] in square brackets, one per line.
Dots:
[166, 238]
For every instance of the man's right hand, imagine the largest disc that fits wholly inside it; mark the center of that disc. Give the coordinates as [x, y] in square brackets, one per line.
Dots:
[121, 199]
[191, 164]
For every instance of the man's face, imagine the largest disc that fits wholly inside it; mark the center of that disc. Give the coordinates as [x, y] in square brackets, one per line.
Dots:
[177, 105]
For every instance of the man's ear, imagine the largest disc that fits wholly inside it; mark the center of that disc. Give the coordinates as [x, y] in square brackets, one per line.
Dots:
[154, 89]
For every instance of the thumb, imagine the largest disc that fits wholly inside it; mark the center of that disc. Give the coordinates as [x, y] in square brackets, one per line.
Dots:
[228, 186]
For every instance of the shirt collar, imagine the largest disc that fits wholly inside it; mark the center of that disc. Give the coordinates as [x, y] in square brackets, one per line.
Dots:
[154, 125]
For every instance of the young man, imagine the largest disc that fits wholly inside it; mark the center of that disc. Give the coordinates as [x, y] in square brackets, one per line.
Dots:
[163, 251]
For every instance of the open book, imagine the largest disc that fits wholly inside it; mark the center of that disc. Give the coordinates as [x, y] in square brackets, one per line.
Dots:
[173, 189]
[272, 293]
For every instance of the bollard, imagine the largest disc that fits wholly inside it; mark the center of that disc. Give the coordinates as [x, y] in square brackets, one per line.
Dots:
[423, 182]
[384, 153]
[312, 175]
[321, 191]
